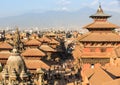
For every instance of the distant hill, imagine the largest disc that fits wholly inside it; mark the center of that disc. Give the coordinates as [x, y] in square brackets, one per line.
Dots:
[55, 19]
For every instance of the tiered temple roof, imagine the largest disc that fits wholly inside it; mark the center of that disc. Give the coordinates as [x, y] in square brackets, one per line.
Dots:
[44, 39]
[5, 45]
[101, 24]
[35, 64]
[47, 48]
[100, 41]
[4, 57]
[100, 13]
[33, 42]
[100, 29]
[99, 77]
[100, 21]
[33, 52]
[96, 55]
[101, 37]
[53, 41]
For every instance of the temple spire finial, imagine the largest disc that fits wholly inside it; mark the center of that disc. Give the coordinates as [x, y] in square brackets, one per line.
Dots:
[100, 9]
[100, 13]
[99, 4]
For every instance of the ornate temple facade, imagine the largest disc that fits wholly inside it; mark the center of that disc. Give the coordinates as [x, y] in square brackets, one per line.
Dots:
[100, 42]
[15, 71]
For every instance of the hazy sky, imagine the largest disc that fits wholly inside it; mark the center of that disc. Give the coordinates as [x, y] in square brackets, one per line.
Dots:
[18, 7]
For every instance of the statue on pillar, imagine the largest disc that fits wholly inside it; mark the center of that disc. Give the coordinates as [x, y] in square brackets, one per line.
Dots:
[16, 41]
[40, 73]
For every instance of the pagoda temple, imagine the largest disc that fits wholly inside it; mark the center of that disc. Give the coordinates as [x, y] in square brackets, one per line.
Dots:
[99, 43]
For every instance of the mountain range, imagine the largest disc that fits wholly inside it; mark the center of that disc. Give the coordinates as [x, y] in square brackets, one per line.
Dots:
[55, 19]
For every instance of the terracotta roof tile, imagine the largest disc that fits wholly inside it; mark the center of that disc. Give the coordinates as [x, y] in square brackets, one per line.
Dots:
[44, 39]
[113, 82]
[95, 55]
[33, 42]
[34, 35]
[101, 37]
[4, 55]
[89, 72]
[117, 51]
[32, 52]
[34, 64]
[5, 45]
[77, 52]
[114, 70]
[99, 24]
[53, 41]
[99, 77]
[47, 48]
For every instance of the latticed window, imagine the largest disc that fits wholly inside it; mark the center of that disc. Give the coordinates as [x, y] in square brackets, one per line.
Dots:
[92, 49]
[103, 49]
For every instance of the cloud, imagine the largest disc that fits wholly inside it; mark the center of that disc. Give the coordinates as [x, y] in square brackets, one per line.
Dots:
[64, 2]
[91, 4]
[107, 5]
[115, 2]
[118, 2]
[65, 9]
[112, 6]
[94, 2]
[64, 5]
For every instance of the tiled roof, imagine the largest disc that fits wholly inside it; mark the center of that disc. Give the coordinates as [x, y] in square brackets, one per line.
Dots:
[89, 72]
[5, 45]
[33, 42]
[44, 39]
[113, 82]
[34, 35]
[34, 64]
[95, 55]
[32, 52]
[114, 70]
[47, 48]
[101, 24]
[99, 77]
[100, 13]
[4, 55]
[77, 52]
[53, 41]
[117, 51]
[101, 37]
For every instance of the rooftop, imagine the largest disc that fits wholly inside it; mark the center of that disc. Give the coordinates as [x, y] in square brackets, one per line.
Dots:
[101, 37]
[34, 64]
[100, 13]
[5, 45]
[33, 42]
[101, 24]
[33, 52]
[47, 48]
